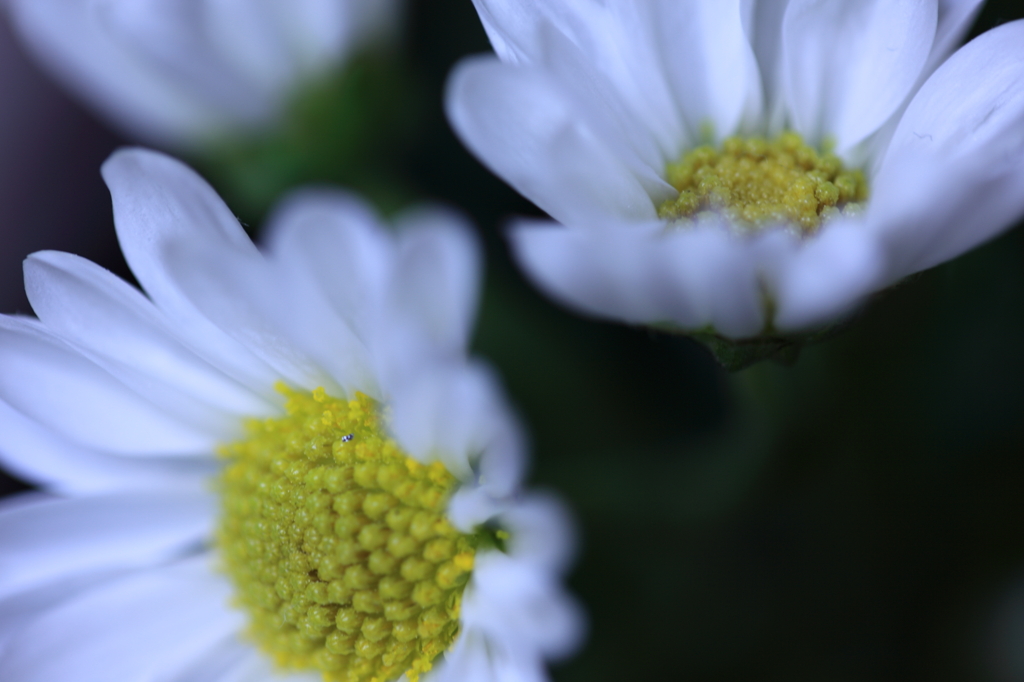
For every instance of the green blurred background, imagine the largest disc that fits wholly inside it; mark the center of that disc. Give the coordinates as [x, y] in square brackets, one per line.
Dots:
[858, 516]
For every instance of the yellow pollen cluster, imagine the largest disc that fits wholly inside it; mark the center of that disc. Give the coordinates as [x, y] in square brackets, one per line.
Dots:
[337, 543]
[756, 182]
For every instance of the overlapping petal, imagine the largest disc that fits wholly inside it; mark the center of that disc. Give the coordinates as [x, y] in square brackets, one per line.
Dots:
[819, 280]
[155, 623]
[344, 243]
[515, 27]
[953, 174]
[762, 20]
[330, 252]
[849, 66]
[122, 330]
[58, 539]
[436, 279]
[35, 453]
[693, 279]
[711, 65]
[518, 121]
[49, 381]
[955, 18]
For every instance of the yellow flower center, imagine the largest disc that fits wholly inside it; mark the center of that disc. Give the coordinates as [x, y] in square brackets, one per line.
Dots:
[337, 542]
[757, 182]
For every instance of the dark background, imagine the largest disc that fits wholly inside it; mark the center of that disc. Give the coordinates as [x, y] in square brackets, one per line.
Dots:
[858, 516]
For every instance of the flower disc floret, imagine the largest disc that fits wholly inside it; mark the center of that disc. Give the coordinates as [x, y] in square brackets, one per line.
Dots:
[338, 545]
[756, 182]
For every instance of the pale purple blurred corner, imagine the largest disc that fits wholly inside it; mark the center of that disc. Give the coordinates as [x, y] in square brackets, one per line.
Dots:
[51, 194]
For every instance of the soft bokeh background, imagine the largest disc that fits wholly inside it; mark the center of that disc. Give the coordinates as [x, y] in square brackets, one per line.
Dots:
[859, 516]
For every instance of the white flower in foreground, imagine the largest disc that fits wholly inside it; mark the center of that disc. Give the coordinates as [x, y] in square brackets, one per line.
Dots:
[360, 551]
[178, 72]
[596, 111]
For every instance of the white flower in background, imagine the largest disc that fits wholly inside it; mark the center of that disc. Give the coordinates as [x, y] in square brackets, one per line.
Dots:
[371, 515]
[904, 156]
[179, 72]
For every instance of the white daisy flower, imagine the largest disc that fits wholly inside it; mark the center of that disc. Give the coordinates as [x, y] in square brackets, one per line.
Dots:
[178, 73]
[744, 169]
[371, 520]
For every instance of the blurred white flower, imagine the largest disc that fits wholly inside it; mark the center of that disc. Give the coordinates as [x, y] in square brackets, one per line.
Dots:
[179, 72]
[588, 104]
[372, 522]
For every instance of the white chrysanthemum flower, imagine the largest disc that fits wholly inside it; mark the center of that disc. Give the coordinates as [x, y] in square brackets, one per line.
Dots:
[176, 72]
[371, 519]
[744, 168]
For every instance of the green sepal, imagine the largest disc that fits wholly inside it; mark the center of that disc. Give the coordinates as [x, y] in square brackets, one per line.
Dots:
[737, 354]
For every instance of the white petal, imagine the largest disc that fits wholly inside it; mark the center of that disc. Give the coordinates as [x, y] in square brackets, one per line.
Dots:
[763, 24]
[954, 173]
[471, 506]
[477, 657]
[58, 540]
[437, 274]
[709, 277]
[234, 660]
[336, 260]
[56, 386]
[456, 413]
[825, 276]
[432, 294]
[19, 610]
[523, 127]
[521, 607]
[58, 549]
[542, 531]
[121, 329]
[691, 278]
[70, 38]
[600, 272]
[144, 627]
[158, 200]
[218, 663]
[712, 65]
[850, 65]
[514, 28]
[39, 455]
[939, 213]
